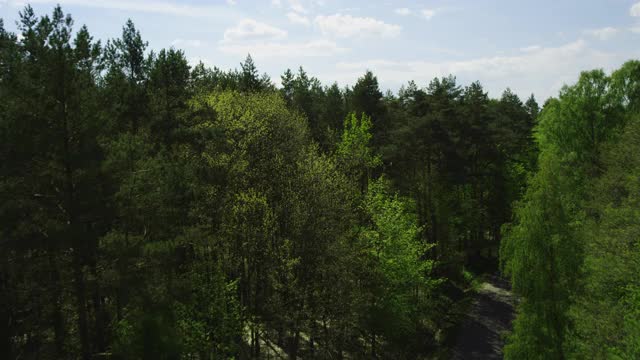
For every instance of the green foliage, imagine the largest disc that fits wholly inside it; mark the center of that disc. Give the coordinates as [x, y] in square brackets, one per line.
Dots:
[541, 254]
[566, 251]
[394, 238]
[401, 283]
[606, 312]
[208, 319]
[354, 152]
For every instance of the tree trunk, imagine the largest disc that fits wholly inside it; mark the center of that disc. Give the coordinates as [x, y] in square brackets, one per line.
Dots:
[294, 345]
[100, 316]
[79, 285]
[58, 320]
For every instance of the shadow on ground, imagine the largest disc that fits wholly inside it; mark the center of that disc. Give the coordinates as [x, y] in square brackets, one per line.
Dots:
[481, 335]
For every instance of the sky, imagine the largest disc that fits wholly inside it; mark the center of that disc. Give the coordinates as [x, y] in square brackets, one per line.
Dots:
[529, 46]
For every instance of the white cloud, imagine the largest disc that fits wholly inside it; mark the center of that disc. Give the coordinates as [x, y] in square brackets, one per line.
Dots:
[232, 2]
[425, 13]
[532, 48]
[147, 6]
[296, 6]
[428, 13]
[265, 41]
[345, 26]
[635, 29]
[298, 19]
[348, 9]
[603, 33]
[187, 43]
[315, 48]
[635, 9]
[252, 30]
[542, 71]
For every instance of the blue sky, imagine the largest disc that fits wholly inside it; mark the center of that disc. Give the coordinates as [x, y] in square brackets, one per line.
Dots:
[530, 46]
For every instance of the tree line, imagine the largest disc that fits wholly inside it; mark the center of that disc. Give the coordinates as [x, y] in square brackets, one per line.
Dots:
[153, 209]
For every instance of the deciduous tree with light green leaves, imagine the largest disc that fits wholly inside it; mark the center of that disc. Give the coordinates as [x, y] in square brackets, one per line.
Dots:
[354, 151]
[544, 249]
[401, 282]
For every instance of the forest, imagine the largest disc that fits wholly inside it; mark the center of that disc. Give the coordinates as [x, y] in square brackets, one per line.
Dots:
[150, 209]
